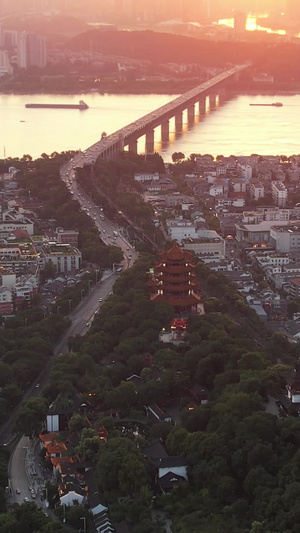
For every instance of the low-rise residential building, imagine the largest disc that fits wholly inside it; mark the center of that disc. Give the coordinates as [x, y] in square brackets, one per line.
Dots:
[256, 190]
[24, 290]
[178, 199]
[6, 301]
[279, 193]
[181, 229]
[8, 226]
[285, 239]
[208, 243]
[295, 287]
[64, 257]
[67, 236]
[256, 233]
[142, 177]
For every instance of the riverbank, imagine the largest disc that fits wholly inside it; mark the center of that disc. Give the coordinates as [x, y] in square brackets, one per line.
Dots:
[113, 88]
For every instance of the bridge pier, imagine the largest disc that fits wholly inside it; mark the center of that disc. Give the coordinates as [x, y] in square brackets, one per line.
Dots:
[150, 142]
[202, 106]
[212, 101]
[222, 95]
[133, 146]
[191, 114]
[165, 132]
[178, 122]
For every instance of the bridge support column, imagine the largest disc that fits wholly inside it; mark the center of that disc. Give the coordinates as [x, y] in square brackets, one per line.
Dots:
[178, 122]
[191, 114]
[202, 106]
[212, 101]
[121, 142]
[222, 95]
[165, 131]
[150, 142]
[133, 146]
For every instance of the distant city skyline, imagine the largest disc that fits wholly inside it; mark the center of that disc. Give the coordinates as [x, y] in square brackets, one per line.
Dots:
[142, 11]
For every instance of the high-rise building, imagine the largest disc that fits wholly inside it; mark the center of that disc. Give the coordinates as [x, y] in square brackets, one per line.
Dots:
[240, 20]
[5, 66]
[1, 36]
[31, 50]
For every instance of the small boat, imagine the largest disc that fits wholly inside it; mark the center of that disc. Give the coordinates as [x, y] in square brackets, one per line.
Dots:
[274, 104]
[22, 120]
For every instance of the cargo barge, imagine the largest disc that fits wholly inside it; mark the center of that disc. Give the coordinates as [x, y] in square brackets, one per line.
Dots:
[275, 104]
[80, 105]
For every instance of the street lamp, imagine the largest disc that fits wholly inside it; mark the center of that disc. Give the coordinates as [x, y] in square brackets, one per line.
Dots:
[46, 499]
[84, 523]
[97, 270]
[64, 511]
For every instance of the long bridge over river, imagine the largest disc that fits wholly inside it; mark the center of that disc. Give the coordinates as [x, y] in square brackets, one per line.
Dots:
[109, 146]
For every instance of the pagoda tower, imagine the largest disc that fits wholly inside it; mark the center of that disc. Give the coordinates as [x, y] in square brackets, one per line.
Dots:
[174, 280]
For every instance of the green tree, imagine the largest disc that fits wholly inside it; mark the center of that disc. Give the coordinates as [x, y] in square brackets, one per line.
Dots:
[31, 416]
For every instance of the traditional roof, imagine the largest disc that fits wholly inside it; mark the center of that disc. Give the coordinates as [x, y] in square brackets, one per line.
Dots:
[169, 481]
[154, 453]
[55, 461]
[172, 461]
[176, 253]
[48, 437]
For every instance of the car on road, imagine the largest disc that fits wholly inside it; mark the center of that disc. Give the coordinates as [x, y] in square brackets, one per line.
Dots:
[26, 499]
[18, 491]
[87, 325]
[30, 488]
[100, 299]
[37, 386]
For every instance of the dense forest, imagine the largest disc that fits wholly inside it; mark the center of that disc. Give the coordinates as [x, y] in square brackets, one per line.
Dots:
[243, 461]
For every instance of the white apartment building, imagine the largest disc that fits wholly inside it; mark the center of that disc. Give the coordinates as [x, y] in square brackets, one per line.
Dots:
[277, 215]
[7, 226]
[275, 260]
[146, 177]
[279, 193]
[256, 190]
[208, 243]
[285, 239]
[246, 171]
[181, 229]
[64, 257]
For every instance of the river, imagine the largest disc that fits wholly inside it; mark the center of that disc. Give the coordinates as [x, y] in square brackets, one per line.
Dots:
[233, 128]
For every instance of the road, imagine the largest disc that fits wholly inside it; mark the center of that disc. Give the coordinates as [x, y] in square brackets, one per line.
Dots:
[109, 232]
[24, 471]
[81, 319]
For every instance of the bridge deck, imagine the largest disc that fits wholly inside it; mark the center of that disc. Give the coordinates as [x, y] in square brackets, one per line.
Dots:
[158, 116]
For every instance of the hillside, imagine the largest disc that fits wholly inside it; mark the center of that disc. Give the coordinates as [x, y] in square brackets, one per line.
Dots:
[164, 48]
